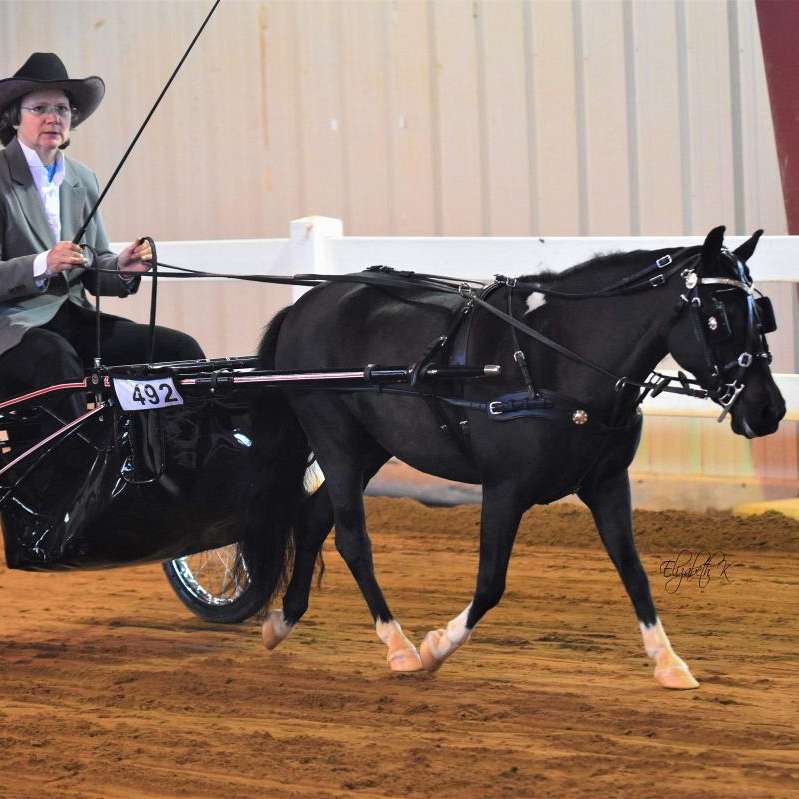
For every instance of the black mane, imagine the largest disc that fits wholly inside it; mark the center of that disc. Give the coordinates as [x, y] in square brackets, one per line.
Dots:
[600, 270]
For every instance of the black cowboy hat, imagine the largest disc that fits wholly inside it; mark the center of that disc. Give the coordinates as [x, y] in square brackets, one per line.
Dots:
[47, 71]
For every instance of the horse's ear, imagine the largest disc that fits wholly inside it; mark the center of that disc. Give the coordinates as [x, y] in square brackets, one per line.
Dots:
[712, 246]
[744, 252]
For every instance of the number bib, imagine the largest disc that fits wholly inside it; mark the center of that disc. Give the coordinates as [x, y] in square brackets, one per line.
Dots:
[145, 395]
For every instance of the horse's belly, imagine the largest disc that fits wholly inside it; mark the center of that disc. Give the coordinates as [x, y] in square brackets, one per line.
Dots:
[455, 468]
[407, 429]
[546, 460]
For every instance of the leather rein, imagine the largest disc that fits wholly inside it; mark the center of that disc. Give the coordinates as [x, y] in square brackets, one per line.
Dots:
[728, 378]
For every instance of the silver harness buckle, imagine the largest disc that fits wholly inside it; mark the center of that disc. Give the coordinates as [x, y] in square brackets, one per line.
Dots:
[730, 395]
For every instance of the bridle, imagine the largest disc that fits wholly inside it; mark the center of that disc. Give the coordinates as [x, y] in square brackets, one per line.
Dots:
[711, 325]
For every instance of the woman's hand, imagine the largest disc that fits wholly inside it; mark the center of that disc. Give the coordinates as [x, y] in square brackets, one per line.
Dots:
[65, 255]
[135, 257]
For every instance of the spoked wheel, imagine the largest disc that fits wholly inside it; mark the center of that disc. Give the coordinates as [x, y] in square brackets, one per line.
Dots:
[217, 585]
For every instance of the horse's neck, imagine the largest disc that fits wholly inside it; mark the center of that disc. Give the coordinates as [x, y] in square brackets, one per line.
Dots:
[644, 338]
[624, 335]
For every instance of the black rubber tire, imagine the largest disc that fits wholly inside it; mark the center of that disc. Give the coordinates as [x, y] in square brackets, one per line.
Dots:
[202, 601]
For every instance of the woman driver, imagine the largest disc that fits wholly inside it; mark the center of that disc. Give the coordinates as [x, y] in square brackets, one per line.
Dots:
[47, 325]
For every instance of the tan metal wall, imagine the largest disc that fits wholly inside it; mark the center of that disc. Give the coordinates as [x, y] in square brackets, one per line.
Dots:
[445, 117]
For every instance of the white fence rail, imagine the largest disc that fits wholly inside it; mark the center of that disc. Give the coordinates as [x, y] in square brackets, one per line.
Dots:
[318, 245]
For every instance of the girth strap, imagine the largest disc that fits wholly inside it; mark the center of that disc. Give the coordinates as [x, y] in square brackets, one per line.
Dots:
[508, 406]
[546, 405]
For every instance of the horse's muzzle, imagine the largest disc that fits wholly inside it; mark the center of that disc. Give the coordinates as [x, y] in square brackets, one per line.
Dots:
[760, 417]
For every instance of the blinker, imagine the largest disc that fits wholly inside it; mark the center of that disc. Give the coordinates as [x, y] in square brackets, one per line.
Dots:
[766, 322]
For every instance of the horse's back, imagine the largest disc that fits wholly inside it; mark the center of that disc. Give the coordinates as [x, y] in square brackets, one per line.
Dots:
[351, 324]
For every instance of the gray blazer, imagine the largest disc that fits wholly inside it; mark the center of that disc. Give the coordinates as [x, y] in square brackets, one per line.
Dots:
[24, 232]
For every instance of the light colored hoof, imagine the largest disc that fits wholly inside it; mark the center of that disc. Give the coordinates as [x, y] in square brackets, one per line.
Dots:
[403, 660]
[671, 671]
[274, 629]
[431, 644]
[675, 674]
[402, 655]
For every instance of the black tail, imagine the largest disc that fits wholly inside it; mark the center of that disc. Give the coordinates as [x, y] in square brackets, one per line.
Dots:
[280, 458]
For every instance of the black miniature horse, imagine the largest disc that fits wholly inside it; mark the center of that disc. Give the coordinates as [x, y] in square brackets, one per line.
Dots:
[578, 432]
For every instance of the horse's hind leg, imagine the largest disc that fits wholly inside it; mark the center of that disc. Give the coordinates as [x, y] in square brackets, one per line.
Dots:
[349, 457]
[609, 501]
[501, 512]
[312, 527]
[352, 542]
[314, 522]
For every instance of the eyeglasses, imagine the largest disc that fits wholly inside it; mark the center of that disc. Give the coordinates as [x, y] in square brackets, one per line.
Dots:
[63, 111]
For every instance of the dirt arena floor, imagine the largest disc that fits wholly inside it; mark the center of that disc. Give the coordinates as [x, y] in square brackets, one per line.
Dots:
[109, 689]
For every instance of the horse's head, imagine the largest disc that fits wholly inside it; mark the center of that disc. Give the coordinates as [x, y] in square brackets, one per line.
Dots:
[720, 336]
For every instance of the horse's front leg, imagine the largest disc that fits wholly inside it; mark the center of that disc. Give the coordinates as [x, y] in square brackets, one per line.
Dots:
[499, 521]
[608, 498]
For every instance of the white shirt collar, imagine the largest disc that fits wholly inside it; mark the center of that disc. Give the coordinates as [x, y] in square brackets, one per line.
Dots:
[39, 170]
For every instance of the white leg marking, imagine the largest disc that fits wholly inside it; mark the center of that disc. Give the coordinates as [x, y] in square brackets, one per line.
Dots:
[670, 670]
[655, 638]
[384, 629]
[438, 645]
[275, 628]
[456, 634]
